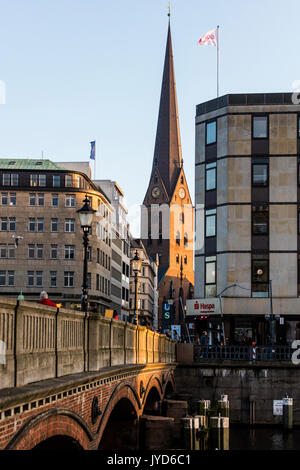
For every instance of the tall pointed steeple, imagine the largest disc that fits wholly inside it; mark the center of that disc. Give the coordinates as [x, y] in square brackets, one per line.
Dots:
[167, 152]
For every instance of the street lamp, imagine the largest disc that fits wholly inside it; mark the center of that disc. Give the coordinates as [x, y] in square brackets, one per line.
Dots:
[136, 265]
[86, 217]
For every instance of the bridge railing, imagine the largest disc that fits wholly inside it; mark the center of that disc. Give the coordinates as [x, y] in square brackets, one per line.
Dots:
[43, 342]
[242, 353]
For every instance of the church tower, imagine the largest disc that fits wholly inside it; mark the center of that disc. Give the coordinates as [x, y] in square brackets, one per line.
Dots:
[167, 212]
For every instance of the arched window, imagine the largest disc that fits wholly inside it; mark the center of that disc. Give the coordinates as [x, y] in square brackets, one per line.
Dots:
[185, 240]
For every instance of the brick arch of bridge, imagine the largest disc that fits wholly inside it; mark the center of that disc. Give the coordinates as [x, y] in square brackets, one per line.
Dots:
[51, 423]
[153, 383]
[122, 390]
[169, 384]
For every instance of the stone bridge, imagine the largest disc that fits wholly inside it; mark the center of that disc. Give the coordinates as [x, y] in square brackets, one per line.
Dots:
[73, 380]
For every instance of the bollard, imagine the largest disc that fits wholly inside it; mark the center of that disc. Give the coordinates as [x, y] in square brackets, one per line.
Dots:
[196, 425]
[223, 406]
[201, 433]
[215, 433]
[188, 433]
[219, 433]
[203, 407]
[224, 433]
[287, 415]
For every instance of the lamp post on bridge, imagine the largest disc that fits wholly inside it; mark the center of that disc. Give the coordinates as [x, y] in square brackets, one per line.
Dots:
[86, 218]
[136, 265]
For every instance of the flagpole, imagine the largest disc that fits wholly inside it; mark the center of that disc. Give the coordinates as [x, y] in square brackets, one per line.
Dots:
[218, 60]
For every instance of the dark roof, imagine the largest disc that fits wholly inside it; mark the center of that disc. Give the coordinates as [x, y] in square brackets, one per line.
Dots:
[161, 274]
[244, 99]
[167, 151]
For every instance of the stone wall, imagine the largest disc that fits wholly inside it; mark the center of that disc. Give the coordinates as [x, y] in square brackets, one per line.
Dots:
[44, 342]
[249, 386]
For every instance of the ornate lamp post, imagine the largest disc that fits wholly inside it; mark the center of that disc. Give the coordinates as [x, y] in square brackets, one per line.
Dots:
[86, 217]
[136, 265]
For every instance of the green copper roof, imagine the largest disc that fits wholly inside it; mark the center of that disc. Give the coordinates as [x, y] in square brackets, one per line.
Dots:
[27, 164]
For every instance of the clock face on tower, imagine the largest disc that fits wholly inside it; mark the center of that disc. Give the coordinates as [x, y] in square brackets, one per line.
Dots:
[155, 192]
[181, 193]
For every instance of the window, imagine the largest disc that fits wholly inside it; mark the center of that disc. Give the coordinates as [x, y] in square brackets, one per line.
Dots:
[32, 199]
[33, 180]
[3, 251]
[89, 253]
[185, 260]
[13, 199]
[14, 179]
[70, 200]
[97, 282]
[2, 278]
[98, 255]
[260, 275]
[40, 199]
[56, 181]
[40, 251]
[69, 252]
[177, 238]
[260, 127]
[53, 277]
[42, 180]
[31, 226]
[12, 224]
[31, 251]
[6, 179]
[39, 278]
[54, 225]
[68, 279]
[53, 252]
[30, 278]
[11, 278]
[260, 220]
[40, 225]
[211, 132]
[260, 173]
[210, 223]
[4, 199]
[177, 259]
[89, 280]
[11, 251]
[68, 181]
[211, 172]
[210, 276]
[185, 239]
[69, 225]
[55, 200]
[3, 224]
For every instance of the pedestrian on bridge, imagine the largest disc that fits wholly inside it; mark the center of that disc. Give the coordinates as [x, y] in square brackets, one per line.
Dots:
[45, 301]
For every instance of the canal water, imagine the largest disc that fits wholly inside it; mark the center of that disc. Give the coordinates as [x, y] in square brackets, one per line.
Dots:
[268, 438]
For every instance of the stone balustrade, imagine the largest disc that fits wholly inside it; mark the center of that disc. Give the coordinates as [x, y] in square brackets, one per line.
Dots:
[40, 342]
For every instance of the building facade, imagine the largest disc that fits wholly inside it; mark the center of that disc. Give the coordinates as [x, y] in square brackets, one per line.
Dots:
[120, 263]
[147, 286]
[247, 208]
[41, 245]
[167, 211]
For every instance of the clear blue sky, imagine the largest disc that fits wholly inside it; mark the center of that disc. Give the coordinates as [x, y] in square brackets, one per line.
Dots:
[82, 70]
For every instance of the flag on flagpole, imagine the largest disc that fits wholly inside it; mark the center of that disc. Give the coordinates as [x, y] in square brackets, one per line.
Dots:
[209, 38]
[93, 150]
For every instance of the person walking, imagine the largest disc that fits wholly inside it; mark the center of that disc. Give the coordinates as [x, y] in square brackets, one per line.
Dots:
[45, 300]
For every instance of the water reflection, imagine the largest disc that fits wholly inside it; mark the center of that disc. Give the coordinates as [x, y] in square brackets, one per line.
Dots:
[263, 439]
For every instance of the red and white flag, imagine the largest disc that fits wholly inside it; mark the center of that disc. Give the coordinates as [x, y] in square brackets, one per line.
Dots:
[209, 38]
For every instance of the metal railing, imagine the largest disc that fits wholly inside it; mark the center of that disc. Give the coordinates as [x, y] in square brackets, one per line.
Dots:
[242, 353]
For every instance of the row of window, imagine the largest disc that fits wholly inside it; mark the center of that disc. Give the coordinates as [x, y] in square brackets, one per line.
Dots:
[39, 180]
[259, 275]
[260, 173]
[260, 129]
[36, 224]
[35, 279]
[260, 221]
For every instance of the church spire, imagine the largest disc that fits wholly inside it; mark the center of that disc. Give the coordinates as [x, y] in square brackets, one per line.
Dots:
[167, 153]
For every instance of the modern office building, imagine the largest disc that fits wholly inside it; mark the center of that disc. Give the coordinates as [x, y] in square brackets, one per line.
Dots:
[120, 261]
[41, 246]
[247, 195]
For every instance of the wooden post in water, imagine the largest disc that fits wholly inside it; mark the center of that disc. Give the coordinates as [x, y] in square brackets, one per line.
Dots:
[188, 433]
[287, 412]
